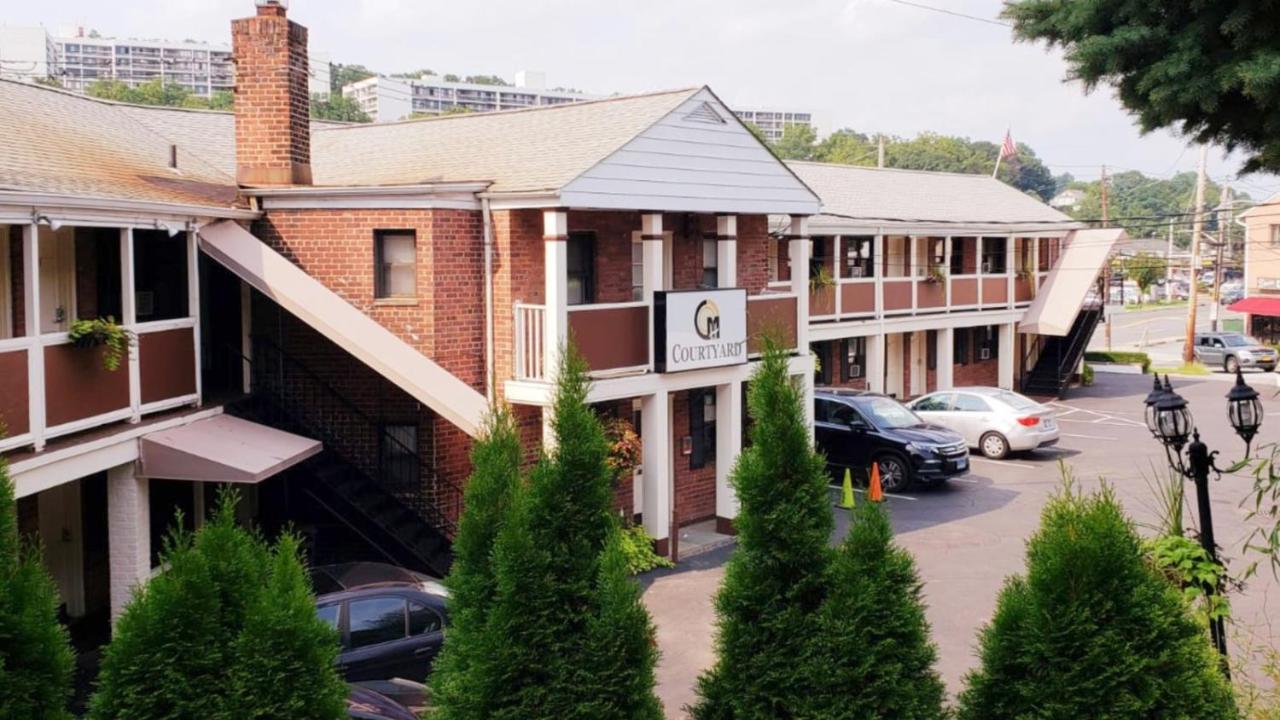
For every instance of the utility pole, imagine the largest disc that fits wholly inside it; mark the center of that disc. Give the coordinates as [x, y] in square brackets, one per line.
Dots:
[1197, 226]
[1168, 266]
[1106, 288]
[1224, 217]
[880, 151]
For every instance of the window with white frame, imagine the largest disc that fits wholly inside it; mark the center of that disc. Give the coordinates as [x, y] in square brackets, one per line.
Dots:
[1275, 236]
[637, 270]
[857, 256]
[710, 264]
[395, 258]
[993, 257]
[855, 358]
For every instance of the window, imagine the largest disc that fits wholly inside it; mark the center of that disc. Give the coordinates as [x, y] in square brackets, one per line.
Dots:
[581, 264]
[423, 619]
[395, 260]
[855, 358]
[957, 256]
[702, 427]
[637, 270]
[710, 264]
[935, 403]
[160, 275]
[329, 614]
[858, 260]
[376, 620]
[993, 259]
[1275, 236]
[823, 357]
[842, 414]
[937, 250]
[960, 346]
[398, 455]
[820, 250]
[987, 342]
[971, 403]
[931, 349]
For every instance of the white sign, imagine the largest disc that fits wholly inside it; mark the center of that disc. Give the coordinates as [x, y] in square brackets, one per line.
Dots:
[699, 329]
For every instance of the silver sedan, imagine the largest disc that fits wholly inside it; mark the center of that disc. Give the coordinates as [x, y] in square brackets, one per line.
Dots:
[993, 421]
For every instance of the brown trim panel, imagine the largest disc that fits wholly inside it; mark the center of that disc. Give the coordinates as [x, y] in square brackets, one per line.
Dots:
[167, 364]
[897, 294]
[931, 294]
[858, 298]
[770, 315]
[611, 338]
[76, 386]
[15, 404]
[964, 291]
[995, 291]
[1022, 290]
[822, 301]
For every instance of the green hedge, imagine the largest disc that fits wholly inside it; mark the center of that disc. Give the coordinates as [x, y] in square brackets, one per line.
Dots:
[1123, 358]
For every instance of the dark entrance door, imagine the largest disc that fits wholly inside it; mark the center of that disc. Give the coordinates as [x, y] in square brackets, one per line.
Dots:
[220, 331]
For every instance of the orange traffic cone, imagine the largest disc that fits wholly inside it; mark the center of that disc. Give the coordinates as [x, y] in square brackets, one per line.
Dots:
[875, 493]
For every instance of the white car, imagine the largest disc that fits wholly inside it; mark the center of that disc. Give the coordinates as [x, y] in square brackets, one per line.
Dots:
[993, 421]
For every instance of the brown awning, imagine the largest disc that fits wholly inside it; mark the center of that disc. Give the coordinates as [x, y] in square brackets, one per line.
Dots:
[222, 448]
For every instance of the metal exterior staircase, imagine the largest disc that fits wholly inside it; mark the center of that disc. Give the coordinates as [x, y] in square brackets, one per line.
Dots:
[1060, 356]
[391, 500]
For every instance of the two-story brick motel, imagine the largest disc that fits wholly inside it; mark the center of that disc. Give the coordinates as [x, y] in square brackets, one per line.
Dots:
[323, 313]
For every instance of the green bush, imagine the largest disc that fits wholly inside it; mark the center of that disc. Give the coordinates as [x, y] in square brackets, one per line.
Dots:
[36, 661]
[1122, 358]
[1086, 375]
[1093, 630]
[804, 630]
[637, 551]
[177, 650]
[490, 491]
[566, 635]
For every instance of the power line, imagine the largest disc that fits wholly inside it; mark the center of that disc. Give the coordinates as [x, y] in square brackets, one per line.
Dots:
[953, 13]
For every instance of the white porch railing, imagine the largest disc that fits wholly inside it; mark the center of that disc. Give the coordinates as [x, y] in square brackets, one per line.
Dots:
[530, 324]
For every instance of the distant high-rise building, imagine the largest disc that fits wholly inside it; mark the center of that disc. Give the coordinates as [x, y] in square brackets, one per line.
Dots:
[77, 59]
[772, 123]
[386, 99]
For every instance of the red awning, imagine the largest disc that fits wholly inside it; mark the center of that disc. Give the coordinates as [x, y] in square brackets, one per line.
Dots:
[1257, 306]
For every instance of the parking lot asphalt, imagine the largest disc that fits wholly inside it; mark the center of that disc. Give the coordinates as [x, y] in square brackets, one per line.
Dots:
[968, 535]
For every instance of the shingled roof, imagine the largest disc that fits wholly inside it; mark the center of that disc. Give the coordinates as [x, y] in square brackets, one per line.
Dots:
[64, 144]
[894, 198]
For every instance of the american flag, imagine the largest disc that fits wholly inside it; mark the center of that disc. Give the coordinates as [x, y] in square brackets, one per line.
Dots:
[1008, 149]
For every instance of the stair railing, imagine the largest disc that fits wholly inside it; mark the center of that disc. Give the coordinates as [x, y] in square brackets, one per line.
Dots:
[312, 402]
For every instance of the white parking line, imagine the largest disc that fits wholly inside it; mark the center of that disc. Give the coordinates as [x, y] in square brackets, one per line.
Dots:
[1005, 462]
[861, 491]
[1088, 437]
[967, 481]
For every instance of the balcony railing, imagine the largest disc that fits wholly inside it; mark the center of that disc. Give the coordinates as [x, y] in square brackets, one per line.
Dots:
[51, 387]
[528, 338]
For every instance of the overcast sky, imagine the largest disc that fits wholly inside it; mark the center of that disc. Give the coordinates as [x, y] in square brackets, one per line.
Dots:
[872, 65]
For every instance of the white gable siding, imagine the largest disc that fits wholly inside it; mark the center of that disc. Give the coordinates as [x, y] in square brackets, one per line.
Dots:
[688, 162]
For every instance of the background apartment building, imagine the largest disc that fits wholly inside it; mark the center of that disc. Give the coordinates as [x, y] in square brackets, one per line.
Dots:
[386, 99]
[77, 60]
[772, 123]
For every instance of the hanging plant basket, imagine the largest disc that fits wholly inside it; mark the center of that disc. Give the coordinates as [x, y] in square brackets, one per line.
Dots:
[106, 334]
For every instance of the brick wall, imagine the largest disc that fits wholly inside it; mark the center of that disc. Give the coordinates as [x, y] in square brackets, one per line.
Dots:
[695, 489]
[273, 136]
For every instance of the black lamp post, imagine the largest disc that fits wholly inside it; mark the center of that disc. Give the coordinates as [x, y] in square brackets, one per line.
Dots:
[1170, 421]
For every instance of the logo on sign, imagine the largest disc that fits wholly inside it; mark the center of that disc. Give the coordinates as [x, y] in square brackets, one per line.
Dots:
[706, 320]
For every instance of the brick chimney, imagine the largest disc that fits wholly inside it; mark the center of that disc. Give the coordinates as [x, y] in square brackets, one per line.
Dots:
[273, 101]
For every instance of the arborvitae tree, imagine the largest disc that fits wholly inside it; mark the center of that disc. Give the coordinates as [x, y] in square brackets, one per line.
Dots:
[177, 649]
[566, 637]
[874, 649]
[285, 655]
[490, 491]
[36, 661]
[173, 645]
[777, 579]
[1093, 631]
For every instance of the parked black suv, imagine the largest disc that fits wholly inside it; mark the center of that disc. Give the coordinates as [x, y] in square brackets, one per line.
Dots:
[856, 428]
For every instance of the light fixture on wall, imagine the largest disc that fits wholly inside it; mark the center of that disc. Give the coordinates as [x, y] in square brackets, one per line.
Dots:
[40, 219]
[173, 231]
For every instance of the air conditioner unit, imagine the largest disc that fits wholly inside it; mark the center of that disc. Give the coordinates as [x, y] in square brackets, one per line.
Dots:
[855, 271]
[984, 354]
[855, 371]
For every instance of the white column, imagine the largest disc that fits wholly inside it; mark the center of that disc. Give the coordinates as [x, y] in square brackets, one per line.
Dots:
[31, 319]
[655, 424]
[128, 533]
[838, 263]
[193, 308]
[1006, 355]
[728, 444]
[946, 266]
[654, 264]
[555, 236]
[946, 359]
[1010, 257]
[911, 272]
[875, 362]
[799, 249]
[877, 271]
[129, 318]
[727, 250]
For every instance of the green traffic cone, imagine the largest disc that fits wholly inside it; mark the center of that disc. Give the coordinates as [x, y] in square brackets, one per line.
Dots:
[846, 491]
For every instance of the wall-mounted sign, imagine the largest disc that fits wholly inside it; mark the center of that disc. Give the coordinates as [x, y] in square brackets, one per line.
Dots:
[699, 329]
[1268, 283]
